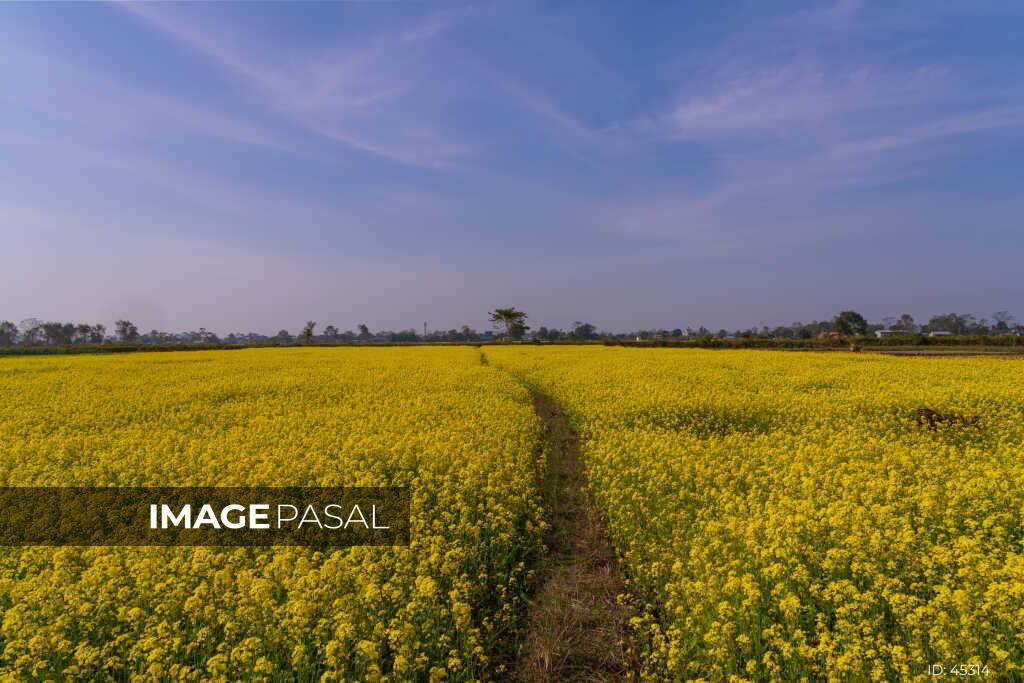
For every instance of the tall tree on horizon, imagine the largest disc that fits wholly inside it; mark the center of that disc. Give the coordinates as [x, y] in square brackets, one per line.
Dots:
[850, 323]
[126, 331]
[307, 332]
[8, 333]
[1002, 320]
[510, 321]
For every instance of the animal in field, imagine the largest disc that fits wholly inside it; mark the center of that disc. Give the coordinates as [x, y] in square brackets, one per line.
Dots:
[933, 417]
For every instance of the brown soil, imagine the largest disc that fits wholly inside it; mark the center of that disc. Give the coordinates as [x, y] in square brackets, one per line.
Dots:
[575, 629]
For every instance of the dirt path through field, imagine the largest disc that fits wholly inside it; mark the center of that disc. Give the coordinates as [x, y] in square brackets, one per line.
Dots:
[574, 631]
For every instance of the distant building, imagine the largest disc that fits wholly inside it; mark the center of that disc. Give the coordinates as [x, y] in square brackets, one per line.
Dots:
[884, 333]
[940, 333]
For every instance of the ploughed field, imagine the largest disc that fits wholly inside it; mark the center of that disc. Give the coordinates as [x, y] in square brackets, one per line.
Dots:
[776, 515]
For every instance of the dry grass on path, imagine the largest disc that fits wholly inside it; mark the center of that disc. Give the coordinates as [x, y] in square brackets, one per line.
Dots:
[575, 629]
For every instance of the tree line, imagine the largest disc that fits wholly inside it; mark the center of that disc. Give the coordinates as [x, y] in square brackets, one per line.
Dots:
[508, 323]
[512, 323]
[35, 332]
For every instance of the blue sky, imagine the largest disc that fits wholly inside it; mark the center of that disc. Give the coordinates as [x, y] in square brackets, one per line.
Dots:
[251, 166]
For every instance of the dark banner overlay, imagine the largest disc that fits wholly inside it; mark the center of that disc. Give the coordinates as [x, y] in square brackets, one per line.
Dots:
[209, 516]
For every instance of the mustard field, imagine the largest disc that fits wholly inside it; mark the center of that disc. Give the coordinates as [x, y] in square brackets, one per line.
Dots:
[777, 515]
[461, 435]
[781, 516]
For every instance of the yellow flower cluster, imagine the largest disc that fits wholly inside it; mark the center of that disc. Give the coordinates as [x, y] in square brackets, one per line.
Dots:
[780, 516]
[462, 435]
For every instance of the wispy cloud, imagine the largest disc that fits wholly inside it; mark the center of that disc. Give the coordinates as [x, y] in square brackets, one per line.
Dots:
[104, 186]
[839, 15]
[190, 187]
[545, 109]
[94, 103]
[794, 99]
[789, 133]
[990, 119]
[361, 97]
